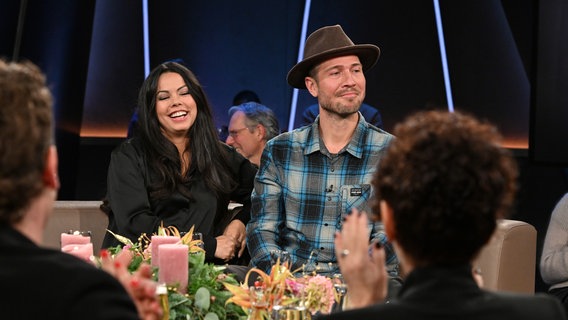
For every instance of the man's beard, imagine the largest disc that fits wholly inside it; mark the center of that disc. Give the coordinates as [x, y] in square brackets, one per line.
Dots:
[342, 110]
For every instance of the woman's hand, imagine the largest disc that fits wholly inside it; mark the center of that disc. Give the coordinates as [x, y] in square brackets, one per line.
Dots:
[237, 230]
[139, 285]
[362, 266]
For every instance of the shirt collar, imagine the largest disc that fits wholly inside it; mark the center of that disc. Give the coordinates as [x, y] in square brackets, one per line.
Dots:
[355, 144]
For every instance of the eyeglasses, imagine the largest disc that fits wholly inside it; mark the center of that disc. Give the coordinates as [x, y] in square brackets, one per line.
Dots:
[235, 133]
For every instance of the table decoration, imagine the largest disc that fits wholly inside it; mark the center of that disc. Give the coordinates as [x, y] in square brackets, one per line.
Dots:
[75, 237]
[77, 243]
[282, 295]
[173, 265]
[83, 251]
[205, 296]
[156, 241]
[210, 294]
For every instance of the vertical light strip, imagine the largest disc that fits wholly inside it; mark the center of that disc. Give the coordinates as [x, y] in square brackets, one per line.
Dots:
[19, 30]
[443, 56]
[146, 38]
[300, 57]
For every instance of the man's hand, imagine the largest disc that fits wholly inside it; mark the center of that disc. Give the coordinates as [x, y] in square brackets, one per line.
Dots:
[237, 230]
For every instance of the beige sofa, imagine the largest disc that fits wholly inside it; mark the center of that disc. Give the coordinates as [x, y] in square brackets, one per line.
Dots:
[508, 261]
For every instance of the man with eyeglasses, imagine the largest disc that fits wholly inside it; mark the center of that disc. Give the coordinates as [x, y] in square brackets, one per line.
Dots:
[251, 125]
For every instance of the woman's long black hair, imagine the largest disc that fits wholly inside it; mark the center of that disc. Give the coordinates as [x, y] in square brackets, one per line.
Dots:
[206, 151]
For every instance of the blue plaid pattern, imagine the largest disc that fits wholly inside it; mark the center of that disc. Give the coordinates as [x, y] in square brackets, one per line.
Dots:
[302, 192]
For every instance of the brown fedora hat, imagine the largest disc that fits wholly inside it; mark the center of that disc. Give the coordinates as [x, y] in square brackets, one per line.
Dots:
[326, 43]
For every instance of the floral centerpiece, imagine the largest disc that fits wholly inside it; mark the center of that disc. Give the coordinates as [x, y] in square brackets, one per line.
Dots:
[206, 296]
[308, 295]
[212, 294]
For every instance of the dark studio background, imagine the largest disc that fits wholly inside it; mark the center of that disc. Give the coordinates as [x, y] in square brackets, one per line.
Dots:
[506, 58]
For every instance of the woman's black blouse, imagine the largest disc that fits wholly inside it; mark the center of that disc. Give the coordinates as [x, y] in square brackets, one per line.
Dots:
[133, 213]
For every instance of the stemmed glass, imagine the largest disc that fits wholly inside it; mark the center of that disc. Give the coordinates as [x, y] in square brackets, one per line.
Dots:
[310, 268]
[341, 291]
[291, 310]
[280, 255]
[259, 303]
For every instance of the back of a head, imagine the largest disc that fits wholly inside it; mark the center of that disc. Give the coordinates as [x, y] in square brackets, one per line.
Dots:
[25, 135]
[257, 113]
[245, 96]
[447, 179]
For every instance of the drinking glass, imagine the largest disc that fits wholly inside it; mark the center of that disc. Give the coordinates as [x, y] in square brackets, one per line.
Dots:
[311, 266]
[290, 312]
[280, 255]
[285, 309]
[199, 236]
[341, 291]
[259, 303]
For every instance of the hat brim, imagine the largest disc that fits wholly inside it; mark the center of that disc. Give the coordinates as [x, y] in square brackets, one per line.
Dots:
[368, 55]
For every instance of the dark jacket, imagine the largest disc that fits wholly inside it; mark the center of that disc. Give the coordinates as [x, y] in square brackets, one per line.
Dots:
[451, 293]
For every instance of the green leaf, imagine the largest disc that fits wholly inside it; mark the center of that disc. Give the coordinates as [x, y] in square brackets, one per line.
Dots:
[211, 316]
[202, 299]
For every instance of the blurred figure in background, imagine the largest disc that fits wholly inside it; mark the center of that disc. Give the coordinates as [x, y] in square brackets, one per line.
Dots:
[245, 96]
[554, 258]
[251, 125]
[239, 98]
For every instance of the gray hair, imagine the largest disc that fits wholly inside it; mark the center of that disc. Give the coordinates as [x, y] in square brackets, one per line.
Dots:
[257, 113]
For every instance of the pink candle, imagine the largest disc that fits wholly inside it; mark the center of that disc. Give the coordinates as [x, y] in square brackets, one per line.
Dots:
[83, 251]
[155, 246]
[75, 238]
[173, 265]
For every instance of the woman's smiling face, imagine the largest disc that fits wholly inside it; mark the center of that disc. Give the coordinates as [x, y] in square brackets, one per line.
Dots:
[175, 107]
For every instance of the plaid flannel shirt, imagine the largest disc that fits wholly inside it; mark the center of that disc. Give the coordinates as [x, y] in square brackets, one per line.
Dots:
[302, 192]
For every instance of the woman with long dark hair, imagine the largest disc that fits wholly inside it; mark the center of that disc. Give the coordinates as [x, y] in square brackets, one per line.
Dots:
[175, 171]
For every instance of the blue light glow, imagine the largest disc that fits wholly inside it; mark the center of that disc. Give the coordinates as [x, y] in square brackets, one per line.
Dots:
[146, 37]
[300, 57]
[443, 56]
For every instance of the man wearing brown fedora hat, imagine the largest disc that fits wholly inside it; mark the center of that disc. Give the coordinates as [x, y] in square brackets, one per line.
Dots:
[313, 176]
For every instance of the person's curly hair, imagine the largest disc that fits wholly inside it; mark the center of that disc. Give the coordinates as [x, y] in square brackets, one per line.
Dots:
[447, 179]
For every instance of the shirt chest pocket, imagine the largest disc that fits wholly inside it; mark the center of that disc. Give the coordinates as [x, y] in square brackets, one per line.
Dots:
[355, 196]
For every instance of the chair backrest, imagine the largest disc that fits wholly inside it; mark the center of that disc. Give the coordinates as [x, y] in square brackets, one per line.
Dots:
[508, 261]
[76, 215]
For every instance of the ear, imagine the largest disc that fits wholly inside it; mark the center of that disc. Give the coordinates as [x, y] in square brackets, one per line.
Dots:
[388, 220]
[312, 86]
[261, 131]
[50, 176]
